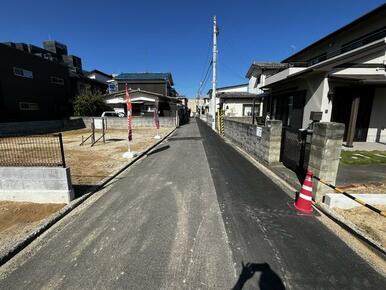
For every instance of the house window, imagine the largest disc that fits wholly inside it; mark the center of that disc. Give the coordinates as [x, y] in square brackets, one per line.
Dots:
[25, 106]
[57, 81]
[247, 110]
[22, 73]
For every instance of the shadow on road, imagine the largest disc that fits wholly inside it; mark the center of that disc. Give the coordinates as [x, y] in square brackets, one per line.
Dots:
[185, 138]
[160, 149]
[269, 280]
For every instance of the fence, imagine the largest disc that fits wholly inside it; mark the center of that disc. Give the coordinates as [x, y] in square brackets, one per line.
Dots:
[38, 150]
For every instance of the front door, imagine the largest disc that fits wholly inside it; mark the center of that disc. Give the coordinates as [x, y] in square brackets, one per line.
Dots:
[341, 109]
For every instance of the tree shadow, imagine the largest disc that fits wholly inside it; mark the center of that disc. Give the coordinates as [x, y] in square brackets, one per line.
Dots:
[269, 280]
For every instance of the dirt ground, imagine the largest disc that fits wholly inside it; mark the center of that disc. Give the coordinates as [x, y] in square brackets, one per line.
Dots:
[371, 223]
[357, 188]
[17, 219]
[88, 166]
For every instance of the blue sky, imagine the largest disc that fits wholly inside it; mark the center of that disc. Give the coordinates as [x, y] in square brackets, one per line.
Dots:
[175, 36]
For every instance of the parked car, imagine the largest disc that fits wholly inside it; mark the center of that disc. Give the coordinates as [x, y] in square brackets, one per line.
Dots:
[113, 114]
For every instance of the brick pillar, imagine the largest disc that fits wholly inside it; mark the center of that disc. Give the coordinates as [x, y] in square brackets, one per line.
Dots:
[325, 152]
[271, 141]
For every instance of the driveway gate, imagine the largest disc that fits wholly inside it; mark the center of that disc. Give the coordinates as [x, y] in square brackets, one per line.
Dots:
[295, 149]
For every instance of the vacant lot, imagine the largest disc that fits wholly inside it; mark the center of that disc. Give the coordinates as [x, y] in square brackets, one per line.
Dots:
[17, 219]
[371, 223]
[88, 165]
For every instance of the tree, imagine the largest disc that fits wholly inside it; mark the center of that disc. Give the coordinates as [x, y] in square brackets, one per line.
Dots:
[89, 103]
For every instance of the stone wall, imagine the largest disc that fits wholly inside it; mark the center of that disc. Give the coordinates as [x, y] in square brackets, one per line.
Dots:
[263, 143]
[326, 146]
[246, 119]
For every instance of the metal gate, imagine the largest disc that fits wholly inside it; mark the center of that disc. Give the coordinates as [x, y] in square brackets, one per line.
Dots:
[295, 149]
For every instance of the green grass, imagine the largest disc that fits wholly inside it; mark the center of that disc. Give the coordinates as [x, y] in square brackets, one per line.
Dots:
[349, 157]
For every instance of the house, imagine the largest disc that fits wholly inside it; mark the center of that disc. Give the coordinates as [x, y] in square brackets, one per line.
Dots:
[144, 90]
[159, 83]
[99, 76]
[235, 100]
[339, 78]
[39, 83]
[142, 102]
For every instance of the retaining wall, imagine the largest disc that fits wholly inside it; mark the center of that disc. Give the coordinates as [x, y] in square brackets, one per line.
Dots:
[263, 143]
[36, 184]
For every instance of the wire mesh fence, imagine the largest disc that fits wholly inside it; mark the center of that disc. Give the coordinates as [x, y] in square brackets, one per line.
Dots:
[37, 150]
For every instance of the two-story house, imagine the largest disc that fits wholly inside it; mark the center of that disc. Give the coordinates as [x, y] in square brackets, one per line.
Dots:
[341, 77]
[144, 89]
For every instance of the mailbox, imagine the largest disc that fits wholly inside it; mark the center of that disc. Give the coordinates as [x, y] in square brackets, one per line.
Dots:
[316, 116]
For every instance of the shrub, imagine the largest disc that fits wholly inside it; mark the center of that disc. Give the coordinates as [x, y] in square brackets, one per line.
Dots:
[89, 103]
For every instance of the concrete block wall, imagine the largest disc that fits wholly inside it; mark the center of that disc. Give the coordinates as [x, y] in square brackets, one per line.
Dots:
[265, 148]
[36, 184]
[326, 146]
[121, 123]
[32, 127]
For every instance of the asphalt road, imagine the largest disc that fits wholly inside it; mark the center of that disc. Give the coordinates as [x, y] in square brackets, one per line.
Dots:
[263, 229]
[186, 217]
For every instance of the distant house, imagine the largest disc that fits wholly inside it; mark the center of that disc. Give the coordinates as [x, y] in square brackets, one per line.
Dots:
[142, 103]
[340, 77]
[236, 100]
[99, 76]
[159, 83]
[144, 89]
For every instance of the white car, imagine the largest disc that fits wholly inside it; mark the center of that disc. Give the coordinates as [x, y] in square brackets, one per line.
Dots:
[113, 114]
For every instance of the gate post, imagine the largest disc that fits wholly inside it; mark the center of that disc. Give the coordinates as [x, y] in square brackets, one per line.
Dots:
[326, 146]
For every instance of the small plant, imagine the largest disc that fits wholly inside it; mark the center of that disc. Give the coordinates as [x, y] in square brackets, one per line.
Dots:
[89, 103]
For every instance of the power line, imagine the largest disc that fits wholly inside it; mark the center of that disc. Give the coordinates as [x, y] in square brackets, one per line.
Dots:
[206, 78]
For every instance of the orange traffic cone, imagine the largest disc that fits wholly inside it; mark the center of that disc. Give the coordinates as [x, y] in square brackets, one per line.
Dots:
[304, 201]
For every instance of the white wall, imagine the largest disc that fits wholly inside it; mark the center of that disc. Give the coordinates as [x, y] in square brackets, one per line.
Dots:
[317, 99]
[235, 107]
[377, 126]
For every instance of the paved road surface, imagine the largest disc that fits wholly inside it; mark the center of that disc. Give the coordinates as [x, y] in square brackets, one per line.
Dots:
[186, 217]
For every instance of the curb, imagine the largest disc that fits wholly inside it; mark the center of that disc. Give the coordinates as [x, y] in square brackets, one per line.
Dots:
[21, 244]
[338, 219]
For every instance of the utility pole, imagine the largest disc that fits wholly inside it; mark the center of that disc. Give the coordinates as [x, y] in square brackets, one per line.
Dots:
[214, 63]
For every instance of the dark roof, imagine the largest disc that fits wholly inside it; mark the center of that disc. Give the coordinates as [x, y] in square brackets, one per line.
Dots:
[265, 65]
[98, 72]
[364, 17]
[145, 76]
[236, 95]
